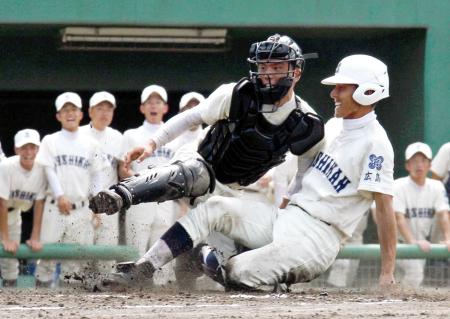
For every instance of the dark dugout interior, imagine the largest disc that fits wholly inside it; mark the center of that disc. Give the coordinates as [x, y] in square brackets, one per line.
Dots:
[34, 71]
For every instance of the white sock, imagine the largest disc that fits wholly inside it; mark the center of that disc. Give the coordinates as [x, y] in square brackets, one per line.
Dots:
[158, 255]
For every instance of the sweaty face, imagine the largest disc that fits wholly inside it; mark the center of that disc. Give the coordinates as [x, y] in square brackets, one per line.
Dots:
[272, 71]
[345, 106]
[101, 115]
[154, 109]
[27, 154]
[70, 117]
[418, 166]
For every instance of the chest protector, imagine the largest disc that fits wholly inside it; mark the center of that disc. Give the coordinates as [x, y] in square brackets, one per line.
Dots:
[243, 147]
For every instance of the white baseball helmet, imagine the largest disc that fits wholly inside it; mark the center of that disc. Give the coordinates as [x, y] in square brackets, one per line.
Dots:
[369, 73]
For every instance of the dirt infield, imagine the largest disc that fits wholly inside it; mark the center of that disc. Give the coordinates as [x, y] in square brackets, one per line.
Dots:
[302, 303]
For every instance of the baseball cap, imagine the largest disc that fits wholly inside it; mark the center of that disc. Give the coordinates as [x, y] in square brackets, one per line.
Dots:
[149, 90]
[102, 96]
[67, 97]
[418, 147]
[26, 136]
[186, 98]
[359, 69]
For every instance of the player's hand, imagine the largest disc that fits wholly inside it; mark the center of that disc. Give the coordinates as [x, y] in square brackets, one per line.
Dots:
[10, 245]
[284, 202]
[424, 245]
[140, 153]
[64, 205]
[386, 280]
[447, 243]
[34, 244]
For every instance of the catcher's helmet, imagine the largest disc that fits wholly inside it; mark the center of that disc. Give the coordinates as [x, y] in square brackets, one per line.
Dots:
[278, 48]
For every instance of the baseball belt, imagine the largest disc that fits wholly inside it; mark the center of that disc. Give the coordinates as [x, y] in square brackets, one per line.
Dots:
[77, 205]
[304, 210]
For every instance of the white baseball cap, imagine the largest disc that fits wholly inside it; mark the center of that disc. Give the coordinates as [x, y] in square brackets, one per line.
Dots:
[67, 97]
[26, 136]
[149, 90]
[418, 147]
[186, 98]
[102, 96]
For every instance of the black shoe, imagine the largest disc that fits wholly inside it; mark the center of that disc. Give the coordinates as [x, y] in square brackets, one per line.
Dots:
[106, 202]
[128, 275]
[210, 264]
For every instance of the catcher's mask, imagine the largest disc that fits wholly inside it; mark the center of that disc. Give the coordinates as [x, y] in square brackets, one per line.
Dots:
[276, 49]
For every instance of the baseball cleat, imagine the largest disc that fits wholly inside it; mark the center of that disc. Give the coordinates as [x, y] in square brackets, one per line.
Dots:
[128, 275]
[106, 202]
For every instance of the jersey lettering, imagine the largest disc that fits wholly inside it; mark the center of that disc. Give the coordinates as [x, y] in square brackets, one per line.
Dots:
[419, 212]
[326, 165]
[72, 160]
[22, 195]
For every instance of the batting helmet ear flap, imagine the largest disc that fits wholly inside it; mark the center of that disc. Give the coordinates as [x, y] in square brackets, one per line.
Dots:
[368, 93]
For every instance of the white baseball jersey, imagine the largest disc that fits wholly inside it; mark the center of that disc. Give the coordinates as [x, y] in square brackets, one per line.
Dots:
[139, 137]
[419, 203]
[75, 157]
[355, 161]
[441, 165]
[19, 186]
[110, 141]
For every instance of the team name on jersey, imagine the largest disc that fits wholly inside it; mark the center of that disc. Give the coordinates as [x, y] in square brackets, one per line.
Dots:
[72, 160]
[419, 212]
[22, 195]
[163, 152]
[327, 166]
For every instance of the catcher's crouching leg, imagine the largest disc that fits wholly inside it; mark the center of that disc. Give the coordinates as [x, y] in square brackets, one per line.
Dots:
[191, 178]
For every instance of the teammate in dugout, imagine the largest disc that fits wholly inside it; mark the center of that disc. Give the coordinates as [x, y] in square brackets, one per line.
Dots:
[298, 243]
[22, 185]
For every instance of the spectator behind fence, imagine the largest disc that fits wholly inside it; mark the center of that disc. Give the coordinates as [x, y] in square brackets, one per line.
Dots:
[417, 200]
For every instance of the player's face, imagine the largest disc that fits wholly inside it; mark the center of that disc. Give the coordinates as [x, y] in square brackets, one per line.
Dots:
[101, 115]
[154, 109]
[27, 154]
[345, 106]
[272, 71]
[418, 166]
[70, 117]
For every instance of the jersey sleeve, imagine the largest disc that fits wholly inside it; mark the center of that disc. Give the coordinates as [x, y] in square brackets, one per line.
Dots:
[441, 162]
[45, 155]
[41, 193]
[377, 175]
[217, 106]
[5, 181]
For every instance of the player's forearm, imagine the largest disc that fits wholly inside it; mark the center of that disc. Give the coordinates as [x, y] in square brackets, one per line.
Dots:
[3, 220]
[176, 126]
[387, 234]
[404, 230]
[444, 224]
[37, 219]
